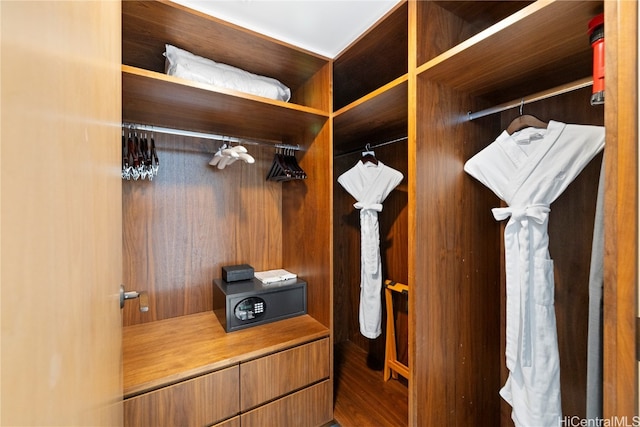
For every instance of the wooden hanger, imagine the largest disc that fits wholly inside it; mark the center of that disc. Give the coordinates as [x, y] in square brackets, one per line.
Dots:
[525, 121]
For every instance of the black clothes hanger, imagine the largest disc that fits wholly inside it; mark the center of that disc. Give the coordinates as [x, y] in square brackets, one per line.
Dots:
[285, 167]
[139, 156]
[155, 165]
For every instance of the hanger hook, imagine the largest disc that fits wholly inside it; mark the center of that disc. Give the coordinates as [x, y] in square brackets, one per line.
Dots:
[521, 106]
[367, 147]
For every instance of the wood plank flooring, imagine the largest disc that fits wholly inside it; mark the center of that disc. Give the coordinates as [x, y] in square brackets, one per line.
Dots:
[361, 397]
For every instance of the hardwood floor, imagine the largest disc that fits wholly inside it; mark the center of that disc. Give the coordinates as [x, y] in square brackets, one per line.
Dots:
[362, 398]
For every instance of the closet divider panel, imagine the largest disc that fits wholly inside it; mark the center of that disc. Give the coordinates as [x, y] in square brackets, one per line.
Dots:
[307, 243]
[394, 246]
[456, 250]
[315, 92]
[182, 227]
[346, 236]
[621, 208]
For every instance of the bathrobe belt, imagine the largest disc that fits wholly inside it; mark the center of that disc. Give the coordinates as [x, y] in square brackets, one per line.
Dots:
[369, 235]
[520, 285]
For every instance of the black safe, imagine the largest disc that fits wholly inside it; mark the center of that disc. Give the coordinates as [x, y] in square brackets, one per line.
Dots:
[247, 303]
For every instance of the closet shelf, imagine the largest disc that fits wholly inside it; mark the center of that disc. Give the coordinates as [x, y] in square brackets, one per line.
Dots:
[148, 25]
[157, 99]
[544, 41]
[378, 57]
[378, 116]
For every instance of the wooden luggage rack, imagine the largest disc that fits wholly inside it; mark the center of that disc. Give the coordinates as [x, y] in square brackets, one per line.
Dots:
[392, 366]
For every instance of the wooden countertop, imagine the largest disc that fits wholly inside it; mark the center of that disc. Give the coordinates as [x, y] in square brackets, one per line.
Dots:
[160, 353]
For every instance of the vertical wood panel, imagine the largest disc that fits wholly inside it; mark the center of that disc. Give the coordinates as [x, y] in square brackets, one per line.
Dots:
[346, 254]
[61, 213]
[181, 228]
[307, 224]
[309, 94]
[457, 259]
[621, 209]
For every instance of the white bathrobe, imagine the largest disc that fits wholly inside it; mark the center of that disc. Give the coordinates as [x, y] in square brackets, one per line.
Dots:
[370, 184]
[529, 174]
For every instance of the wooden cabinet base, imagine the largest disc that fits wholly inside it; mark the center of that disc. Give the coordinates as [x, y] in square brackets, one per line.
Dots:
[197, 402]
[310, 407]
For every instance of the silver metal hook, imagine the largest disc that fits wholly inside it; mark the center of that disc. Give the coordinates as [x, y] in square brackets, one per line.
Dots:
[521, 106]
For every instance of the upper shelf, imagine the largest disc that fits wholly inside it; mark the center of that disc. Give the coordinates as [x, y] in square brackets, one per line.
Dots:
[148, 25]
[545, 42]
[157, 99]
[374, 118]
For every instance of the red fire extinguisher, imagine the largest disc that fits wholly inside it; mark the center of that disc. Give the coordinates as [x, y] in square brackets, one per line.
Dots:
[596, 37]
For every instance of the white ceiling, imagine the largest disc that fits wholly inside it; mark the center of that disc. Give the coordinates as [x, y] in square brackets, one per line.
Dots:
[325, 27]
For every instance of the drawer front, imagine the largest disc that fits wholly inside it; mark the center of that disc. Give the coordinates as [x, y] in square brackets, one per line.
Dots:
[310, 407]
[197, 402]
[273, 376]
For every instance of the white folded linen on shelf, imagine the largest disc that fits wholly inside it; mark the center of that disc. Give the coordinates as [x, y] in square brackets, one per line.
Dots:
[186, 65]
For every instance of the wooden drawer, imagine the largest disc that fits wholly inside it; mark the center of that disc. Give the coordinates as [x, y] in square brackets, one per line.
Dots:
[197, 402]
[273, 376]
[310, 407]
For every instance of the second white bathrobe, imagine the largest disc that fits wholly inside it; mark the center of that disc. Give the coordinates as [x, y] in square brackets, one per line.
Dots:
[370, 184]
[529, 170]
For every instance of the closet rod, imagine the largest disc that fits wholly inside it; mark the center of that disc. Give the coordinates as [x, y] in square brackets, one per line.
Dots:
[558, 90]
[222, 138]
[381, 144]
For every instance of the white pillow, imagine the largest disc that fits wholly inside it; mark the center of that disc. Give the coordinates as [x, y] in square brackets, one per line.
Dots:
[186, 65]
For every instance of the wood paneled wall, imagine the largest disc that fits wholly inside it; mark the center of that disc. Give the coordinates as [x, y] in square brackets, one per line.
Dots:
[192, 219]
[307, 223]
[621, 208]
[182, 227]
[457, 259]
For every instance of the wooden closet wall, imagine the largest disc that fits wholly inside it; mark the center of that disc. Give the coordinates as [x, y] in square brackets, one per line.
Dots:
[181, 228]
[192, 219]
[437, 230]
[370, 103]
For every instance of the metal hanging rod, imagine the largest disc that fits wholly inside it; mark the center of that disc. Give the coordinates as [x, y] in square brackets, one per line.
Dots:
[372, 147]
[212, 136]
[558, 90]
